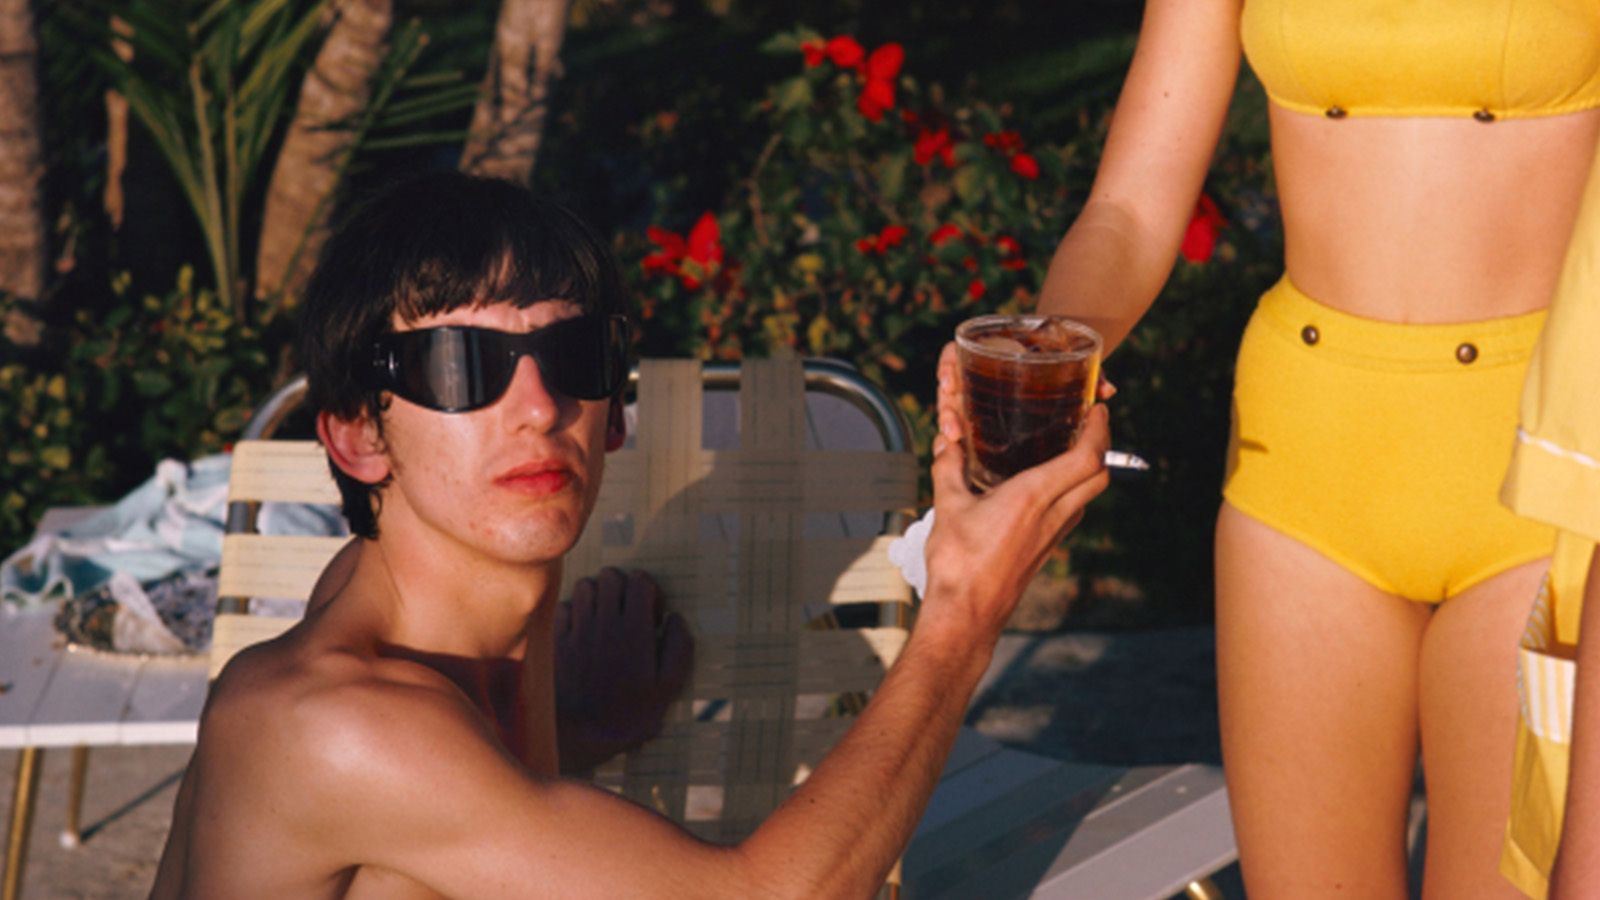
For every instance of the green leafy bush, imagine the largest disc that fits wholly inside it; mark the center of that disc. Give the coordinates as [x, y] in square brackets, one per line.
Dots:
[877, 212]
[124, 386]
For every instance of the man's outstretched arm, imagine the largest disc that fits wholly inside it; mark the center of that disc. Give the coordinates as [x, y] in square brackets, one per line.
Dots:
[460, 815]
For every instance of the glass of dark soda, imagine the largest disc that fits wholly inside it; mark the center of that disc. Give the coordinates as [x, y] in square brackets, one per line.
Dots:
[1029, 380]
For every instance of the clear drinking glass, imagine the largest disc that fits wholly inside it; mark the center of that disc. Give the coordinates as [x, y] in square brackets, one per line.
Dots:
[1029, 380]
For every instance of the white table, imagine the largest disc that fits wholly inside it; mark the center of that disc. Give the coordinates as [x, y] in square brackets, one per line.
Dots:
[53, 696]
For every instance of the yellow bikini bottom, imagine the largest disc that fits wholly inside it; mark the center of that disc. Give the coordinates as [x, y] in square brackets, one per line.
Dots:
[1382, 445]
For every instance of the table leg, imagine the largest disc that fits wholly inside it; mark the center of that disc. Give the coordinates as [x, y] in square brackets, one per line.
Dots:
[29, 764]
[72, 835]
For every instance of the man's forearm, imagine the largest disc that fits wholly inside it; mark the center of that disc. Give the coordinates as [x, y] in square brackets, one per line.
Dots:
[840, 832]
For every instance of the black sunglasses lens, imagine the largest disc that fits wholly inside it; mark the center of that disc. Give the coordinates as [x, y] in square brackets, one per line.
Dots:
[582, 357]
[455, 369]
[452, 369]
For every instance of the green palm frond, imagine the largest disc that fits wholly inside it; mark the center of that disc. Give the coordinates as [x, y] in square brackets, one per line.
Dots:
[212, 82]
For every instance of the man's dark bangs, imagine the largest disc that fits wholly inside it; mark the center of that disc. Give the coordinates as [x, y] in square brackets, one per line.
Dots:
[517, 250]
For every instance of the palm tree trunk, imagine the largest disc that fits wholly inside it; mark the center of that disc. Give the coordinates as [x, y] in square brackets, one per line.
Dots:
[299, 197]
[117, 131]
[509, 119]
[23, 252]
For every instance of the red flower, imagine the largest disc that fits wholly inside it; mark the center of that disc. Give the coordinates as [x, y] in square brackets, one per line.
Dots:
[1010, 253]
[1007, 142]
[691, 260]
[943, 233]
[885, 62]
[877, 93]
[877, 97]
[934, 143]
[890, 236]
[705, 240]
[976, 288]
[1025, 165]
[665, 260]
[845, 52]
[1200, 238]
[814, 52]
[670, 243]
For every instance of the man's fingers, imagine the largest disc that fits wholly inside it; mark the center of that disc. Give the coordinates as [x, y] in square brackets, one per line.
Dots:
[676, 656]
[639, 612]
[948, 472]
[949, 408]
[583, 605]
[612, 589]
[563, 620]
[1069, 507]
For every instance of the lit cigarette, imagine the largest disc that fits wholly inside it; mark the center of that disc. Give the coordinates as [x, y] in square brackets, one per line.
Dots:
[1117, 459]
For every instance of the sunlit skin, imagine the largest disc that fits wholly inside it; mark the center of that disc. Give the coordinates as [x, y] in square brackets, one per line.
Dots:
[511, 484]
[400, 741]
[1392, 218]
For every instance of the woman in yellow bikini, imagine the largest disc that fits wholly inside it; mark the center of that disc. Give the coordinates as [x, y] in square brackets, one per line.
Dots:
[1430, 156]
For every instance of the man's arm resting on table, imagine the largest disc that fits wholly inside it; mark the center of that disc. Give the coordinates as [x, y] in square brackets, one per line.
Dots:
[1577, 868]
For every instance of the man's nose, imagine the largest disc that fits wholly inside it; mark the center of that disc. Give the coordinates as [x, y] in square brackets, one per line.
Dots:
[529, 399]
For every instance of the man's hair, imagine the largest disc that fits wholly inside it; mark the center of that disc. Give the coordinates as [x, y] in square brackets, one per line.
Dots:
[428, 245]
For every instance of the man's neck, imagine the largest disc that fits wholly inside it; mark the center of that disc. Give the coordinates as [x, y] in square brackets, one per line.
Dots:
[439, 597]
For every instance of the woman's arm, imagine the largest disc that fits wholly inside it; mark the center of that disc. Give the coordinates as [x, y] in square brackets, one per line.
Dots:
[1577, 868]
[1117, 255]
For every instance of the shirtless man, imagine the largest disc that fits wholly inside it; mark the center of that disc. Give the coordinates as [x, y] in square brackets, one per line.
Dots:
[401, 741]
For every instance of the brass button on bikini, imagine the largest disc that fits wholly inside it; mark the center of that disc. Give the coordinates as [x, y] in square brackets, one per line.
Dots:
[1466, 353]
[1310, 335]
[1336, 112]
[1483, 115]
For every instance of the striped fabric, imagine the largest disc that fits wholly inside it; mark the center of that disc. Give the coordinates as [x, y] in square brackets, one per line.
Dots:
[1544, 679]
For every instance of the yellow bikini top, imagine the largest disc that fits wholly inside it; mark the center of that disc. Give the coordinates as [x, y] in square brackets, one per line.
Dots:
[1483, 58]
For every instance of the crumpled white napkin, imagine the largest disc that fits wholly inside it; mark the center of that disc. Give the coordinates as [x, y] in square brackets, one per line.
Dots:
[137, 627]
[909, 553]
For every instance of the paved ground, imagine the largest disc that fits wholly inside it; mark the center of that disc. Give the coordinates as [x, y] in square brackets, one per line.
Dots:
[127, 809]
[1128, 698]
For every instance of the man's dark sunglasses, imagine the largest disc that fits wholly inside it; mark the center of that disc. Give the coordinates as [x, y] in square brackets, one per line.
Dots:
[455, 368]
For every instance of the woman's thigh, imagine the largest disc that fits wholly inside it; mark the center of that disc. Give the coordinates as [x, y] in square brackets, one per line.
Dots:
[1468, 713]
[1318, 680]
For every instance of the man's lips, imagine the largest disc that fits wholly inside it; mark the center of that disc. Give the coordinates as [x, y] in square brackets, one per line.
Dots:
[537, 479]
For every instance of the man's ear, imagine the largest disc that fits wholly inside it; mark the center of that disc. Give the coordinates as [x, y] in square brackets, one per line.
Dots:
[616, 425]
[354, 446]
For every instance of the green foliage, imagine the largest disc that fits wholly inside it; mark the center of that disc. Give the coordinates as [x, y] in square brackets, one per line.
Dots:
[212, 82]
[49, 454]
[867, 232]
[145, 378]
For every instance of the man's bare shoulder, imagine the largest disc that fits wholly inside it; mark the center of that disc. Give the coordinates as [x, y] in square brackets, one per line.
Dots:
[335, 735]
[327, 706]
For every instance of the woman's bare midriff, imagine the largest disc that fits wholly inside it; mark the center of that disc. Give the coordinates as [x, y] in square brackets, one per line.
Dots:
[1429, 220]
